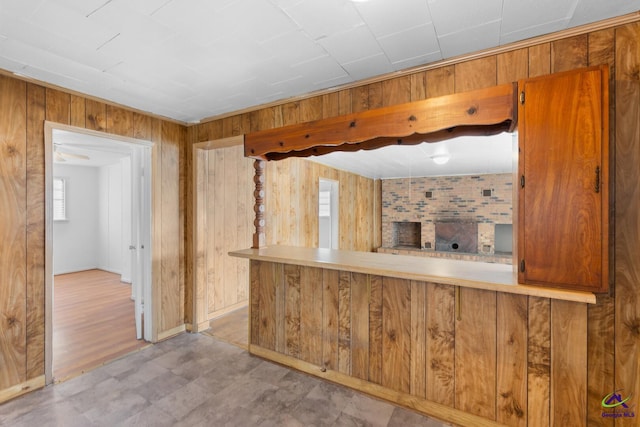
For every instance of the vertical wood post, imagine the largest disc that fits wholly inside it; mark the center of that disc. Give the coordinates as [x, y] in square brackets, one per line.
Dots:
[259, 237]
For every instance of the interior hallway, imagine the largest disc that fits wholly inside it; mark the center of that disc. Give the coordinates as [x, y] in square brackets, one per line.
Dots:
[196, 380]
[93, 321]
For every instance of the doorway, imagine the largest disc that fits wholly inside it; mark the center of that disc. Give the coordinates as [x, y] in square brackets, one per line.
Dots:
[98, 194]
[328, 233]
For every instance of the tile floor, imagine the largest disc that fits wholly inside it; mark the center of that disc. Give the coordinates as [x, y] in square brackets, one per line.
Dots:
[196, 380]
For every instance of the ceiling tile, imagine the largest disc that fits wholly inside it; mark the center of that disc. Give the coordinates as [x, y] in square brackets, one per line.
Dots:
[406, 14]
[452, 16]
[293, 47]
[411, 43]
[351, 45]
[323, 18]
[320, 70]
[528, 32]
[588, 11]
[362, 68]
[518, 15]
[470, 40]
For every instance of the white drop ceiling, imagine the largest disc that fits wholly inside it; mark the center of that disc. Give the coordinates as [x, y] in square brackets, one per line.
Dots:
[193, 59]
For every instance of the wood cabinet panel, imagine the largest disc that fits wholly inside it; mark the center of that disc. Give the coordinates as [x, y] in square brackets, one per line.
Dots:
[564, 162]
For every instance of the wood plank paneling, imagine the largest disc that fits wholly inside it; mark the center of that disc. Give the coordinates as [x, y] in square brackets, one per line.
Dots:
[330, 296]
[292, 309]
[475, 347]
[360, 289]
[119, 121]
[418, 339]
[568, 363]
[311, 315]
[569, 54]
[13, 227]
[512, 324]
[171, 284]
[58, 106]
[440, 351]
[540, 60]
[396, 91]
[512, 66]
[627, 215]
[35, 249]
[396, 334]
[539, 362]
[78, 111]
[344, 322]
[375, 330]
[475, 74]
[96, 115]
[441, 81]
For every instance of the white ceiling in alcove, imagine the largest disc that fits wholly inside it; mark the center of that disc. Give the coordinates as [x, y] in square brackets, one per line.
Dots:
[192, 59]
[467, 156]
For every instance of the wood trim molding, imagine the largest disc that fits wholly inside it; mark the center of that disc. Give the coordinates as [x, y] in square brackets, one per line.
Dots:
[479, 112]
[434, 409]
[20, 389]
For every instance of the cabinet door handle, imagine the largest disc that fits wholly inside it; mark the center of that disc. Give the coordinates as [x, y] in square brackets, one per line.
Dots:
[597, 186]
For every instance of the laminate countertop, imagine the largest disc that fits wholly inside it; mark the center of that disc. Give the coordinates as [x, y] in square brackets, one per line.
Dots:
[469, 274]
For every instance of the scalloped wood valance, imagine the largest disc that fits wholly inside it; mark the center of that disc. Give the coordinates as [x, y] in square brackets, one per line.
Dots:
[480, 112]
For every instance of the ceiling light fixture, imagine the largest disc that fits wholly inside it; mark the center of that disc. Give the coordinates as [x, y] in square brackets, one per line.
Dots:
[440, 159]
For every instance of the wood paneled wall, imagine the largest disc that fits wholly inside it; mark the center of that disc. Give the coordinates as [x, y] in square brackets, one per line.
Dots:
[224, 223]
[25, 106]
[292, 205]
[612, 341]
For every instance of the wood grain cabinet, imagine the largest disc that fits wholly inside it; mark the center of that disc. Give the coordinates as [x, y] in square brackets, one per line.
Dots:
[563, 200]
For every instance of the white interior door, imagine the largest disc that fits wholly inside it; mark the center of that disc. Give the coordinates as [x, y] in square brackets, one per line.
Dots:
[141, 239]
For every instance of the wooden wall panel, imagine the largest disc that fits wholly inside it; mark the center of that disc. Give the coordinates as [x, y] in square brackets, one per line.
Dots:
[475, 74]
[292, 205]
[375, 330]
[475, 359]
[58, 106]
[627, 215]
[119, 121]
[311, 315]
[568, 363]
[441, 81]
[344, 323]
[35, 250]
[330, 297]
[539, 362]
[96, 115]
[78, 111]
[360, 290]
[292, 314]
[418, 377]
[171, 283]
[396, 333]
[13, 228]
[540, 60]
[511, 388]
[570, 53]
[440, 351]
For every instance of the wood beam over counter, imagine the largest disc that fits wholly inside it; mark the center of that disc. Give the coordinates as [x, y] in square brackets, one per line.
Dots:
[466, 274]
[480, 112]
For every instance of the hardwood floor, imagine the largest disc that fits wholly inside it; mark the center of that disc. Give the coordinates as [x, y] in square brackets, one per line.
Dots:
[93, 322]
[232, 328]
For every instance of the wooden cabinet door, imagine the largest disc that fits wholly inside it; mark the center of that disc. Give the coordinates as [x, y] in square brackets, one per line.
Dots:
[564, 180]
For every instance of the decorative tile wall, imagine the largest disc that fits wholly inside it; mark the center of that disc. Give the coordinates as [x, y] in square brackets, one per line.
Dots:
[485, 199]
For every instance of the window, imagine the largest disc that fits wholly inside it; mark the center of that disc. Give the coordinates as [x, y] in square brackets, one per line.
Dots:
[324, 203]
[59, 199]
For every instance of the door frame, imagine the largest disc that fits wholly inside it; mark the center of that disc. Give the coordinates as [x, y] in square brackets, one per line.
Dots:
[151, 290]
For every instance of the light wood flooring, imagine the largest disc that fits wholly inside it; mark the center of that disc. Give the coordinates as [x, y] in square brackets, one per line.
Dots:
[232, 327]
[93, 322]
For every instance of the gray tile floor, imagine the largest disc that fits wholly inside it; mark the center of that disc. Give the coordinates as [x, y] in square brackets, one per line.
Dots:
[196, 380]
